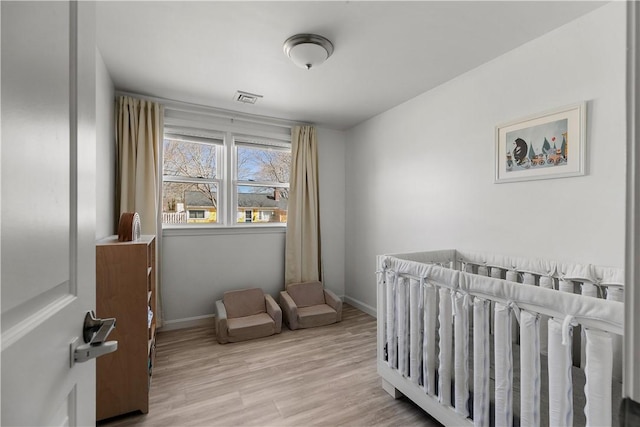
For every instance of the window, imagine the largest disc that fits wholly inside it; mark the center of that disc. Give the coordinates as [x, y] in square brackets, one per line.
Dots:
[224, 179]
[262, 185]
[191, 180]
[196, 214]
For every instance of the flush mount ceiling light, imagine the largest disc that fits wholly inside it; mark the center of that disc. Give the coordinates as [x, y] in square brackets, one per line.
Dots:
[308, 50]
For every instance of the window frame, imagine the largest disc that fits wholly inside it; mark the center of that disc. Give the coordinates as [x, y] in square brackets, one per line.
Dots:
[259, 144]
[226, 178]
[193, 137]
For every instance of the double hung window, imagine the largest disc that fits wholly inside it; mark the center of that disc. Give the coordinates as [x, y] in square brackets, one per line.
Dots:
[224, 179]
[191, 179]
[262, 181]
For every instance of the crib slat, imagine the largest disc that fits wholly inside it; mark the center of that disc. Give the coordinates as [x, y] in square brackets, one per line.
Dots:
[511, 275]
[566, 286]
[403, 323]
[481, 362]
[445, 317]
[546, 282]
[598, 371]
[529, 369]
[616, 294]
[560, 378]
[529, 279]
[589, 290]
[461, 362]
[429, 342]
[503, 366]
[391, 323]
[415, 344]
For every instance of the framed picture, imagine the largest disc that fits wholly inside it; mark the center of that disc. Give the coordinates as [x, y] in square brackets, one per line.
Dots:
[543, 146]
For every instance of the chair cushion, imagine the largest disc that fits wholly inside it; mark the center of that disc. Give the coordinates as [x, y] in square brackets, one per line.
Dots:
[249, 327]
[306, 294]
[244, 302]
[316, 315]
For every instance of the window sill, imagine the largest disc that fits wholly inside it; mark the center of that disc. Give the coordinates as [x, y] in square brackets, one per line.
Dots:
[195, 230]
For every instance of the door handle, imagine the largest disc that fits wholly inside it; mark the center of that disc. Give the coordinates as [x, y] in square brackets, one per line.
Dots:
[94, 333]
[95, 330]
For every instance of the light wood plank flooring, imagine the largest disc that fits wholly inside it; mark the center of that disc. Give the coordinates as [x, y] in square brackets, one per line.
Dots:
[322, 376]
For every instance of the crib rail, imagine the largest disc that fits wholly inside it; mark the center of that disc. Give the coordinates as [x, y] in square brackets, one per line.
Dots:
[439, 328]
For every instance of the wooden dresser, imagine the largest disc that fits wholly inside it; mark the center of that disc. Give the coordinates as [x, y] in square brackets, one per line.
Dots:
[126, 290]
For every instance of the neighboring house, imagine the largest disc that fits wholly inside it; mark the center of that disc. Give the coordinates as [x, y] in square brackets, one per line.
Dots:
[200, 207]
[252, 207]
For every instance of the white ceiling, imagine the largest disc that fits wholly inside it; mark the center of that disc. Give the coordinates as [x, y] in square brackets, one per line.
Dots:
[386, 52]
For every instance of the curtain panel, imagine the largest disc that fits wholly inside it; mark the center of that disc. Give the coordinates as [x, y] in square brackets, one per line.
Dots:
[138, 135]
[139, 132]
[303, 260]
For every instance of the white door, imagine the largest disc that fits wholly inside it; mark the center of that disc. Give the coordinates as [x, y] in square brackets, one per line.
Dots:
[48, 210]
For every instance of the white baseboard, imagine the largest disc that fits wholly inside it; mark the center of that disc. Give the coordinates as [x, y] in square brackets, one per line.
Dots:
[360, 306]
[189, 322]
[209, 319]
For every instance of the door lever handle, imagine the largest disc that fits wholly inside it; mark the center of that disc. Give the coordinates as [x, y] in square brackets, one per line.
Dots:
[96, 330]
[94, 333]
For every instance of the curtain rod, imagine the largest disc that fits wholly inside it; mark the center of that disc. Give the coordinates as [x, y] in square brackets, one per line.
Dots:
[214, 111]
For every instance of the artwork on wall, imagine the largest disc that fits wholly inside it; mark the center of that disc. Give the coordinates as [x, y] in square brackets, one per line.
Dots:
[547, 145]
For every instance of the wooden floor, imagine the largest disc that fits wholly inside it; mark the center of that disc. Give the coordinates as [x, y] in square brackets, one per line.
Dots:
[322, 376]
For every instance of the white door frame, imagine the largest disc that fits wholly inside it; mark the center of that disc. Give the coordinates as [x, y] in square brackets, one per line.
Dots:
[632, 249]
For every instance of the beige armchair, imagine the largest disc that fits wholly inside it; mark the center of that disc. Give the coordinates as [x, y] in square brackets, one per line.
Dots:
[246, 314]
[308, 304]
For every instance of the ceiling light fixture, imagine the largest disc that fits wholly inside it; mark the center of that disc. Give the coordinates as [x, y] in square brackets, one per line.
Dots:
[308, 50]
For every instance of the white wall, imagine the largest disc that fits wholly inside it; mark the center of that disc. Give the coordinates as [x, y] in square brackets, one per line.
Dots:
[197, 269]
[105, 151]
[421, 175]
[331, 162]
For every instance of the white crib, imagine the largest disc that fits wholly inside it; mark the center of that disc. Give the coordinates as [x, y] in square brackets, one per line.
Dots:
[477, 339]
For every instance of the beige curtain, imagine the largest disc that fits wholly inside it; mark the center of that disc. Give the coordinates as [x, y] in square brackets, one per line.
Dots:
[303, 260]
[138, 136]
[139, 131]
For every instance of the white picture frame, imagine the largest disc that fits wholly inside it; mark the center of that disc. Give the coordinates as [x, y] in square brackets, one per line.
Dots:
[547, 145]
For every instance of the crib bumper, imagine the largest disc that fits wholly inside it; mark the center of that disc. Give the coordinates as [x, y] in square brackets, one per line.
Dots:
[428, 313]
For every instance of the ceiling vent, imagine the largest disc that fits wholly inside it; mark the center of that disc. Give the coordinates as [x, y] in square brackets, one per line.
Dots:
[246, 97]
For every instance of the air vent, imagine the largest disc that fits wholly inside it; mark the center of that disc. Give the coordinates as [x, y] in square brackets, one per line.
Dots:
[246, 97]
